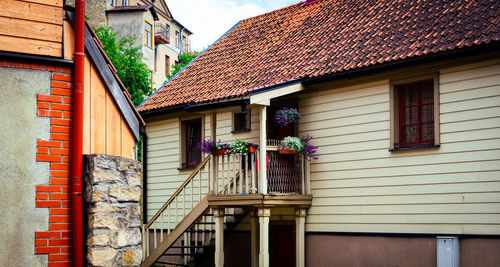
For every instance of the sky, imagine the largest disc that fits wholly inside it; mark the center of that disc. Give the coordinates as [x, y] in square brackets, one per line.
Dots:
[210, 19]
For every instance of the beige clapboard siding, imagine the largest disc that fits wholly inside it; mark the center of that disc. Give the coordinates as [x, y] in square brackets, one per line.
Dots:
[163, 161]
[359, 186]
[225, 126]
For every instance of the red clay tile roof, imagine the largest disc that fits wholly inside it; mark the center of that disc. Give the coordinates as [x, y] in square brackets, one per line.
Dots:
[327, 37]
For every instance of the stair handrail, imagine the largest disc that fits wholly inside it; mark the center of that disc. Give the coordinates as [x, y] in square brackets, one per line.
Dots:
[179, 190]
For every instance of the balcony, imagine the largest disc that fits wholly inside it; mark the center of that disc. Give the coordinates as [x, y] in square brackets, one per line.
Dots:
[161, 35]
[236, 179]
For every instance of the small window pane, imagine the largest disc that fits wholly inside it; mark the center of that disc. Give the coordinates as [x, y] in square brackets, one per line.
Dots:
[411, 115]
[427, 132]
[427, 113]
[410, 134]
[410, 97]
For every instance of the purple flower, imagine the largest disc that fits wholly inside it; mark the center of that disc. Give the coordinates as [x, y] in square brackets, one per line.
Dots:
[286, 116]
[309, 151]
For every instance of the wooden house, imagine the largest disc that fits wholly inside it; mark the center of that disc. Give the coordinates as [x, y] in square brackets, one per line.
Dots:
[401, 97]
[37, 67]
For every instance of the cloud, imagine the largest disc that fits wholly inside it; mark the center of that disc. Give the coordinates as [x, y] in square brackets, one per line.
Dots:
[210, 19]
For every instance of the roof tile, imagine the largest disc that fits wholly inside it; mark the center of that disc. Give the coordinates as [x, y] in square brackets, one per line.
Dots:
[326, 37]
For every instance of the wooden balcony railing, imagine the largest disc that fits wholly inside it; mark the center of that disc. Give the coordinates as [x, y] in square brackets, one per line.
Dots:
[240, 173]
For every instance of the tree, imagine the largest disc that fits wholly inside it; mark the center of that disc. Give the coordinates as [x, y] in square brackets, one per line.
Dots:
[127, 60]
[184, 59]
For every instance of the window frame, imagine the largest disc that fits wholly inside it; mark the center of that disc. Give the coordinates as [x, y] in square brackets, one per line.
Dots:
[248, 120]
[177, 39]
[395, 121]
[167, 31]
[146, 22]
[183, 149]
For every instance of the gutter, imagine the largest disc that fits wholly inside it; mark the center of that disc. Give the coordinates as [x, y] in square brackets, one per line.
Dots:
[77, 139]
[190, 107]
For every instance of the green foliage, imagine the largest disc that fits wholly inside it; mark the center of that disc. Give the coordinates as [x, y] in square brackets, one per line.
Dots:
[127, 60]
[184, 59]
[292, 143]
[239, 147]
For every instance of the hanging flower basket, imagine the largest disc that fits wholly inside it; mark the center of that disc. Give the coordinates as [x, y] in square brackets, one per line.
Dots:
[286, 116]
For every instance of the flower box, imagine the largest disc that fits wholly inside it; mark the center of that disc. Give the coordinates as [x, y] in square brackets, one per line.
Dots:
[219, 152]
[288, 151]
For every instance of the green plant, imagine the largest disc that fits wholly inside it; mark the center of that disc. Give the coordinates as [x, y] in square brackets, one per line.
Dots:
[127, 60]
[239, 146]
[184, 59]
[291, 143]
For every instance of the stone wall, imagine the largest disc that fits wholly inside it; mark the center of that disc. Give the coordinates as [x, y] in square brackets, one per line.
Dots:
[112, 194]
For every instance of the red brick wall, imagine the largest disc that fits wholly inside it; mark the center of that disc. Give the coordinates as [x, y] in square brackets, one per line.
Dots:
[56, 196]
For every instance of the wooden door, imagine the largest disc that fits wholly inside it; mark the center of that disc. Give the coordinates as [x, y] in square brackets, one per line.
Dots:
[282, 246]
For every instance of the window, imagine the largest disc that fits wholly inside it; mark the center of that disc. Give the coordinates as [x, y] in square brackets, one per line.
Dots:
[167, 65]
[112, 3]
[184, 43]
[415, 117]
[167, 32]
[151, 77]
[124, 2]
[241, 121]
[177, 39]
[148, 34]
[191, 140]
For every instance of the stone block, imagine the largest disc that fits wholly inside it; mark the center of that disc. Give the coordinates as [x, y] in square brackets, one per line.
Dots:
[132, 258]
[101, 257]
[124, 194]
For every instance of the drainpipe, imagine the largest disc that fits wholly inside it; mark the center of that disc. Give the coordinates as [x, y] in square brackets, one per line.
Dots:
[144, 136]
[77, 142]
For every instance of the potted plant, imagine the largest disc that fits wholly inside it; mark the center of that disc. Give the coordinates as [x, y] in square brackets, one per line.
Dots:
[290, 145]
[295, 145]
[209, 146]
[251, 147]
[286, 116]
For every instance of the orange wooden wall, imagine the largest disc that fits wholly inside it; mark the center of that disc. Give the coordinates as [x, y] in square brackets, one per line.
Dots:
[32, 27]
[105, 130]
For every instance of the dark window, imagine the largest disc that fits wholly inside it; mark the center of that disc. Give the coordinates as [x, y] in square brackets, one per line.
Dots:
[416, 114]
[167, 32]
[192, 140]
[241, 121]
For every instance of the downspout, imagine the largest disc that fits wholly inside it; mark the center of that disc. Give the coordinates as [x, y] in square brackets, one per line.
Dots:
[77, 142]
[144, 136]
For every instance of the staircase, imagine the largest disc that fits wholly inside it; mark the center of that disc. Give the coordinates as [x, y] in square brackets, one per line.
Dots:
[184, 227]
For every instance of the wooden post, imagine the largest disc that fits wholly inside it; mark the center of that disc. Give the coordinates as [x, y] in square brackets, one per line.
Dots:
[254, 232]
[300, 222]
[219, 237]
[264, 214]
[263, 143]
